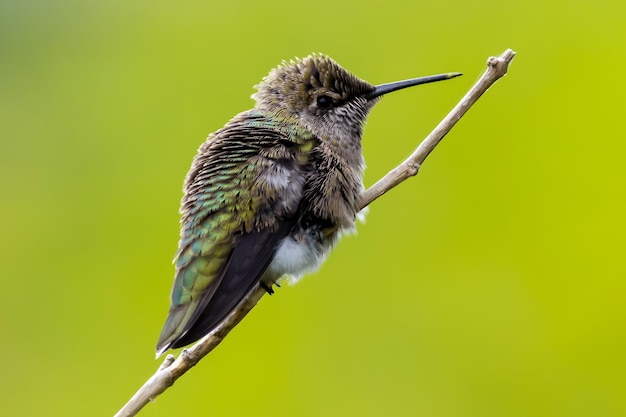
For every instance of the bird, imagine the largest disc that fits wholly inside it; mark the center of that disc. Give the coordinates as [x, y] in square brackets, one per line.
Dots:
[269, 194]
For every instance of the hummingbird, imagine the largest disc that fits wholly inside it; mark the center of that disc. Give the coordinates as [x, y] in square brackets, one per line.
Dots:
[269, 194]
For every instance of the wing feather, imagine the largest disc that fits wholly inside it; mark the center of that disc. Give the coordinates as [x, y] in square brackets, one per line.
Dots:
[241, 200]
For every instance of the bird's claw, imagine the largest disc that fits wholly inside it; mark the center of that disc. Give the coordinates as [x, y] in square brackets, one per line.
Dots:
[267, 287]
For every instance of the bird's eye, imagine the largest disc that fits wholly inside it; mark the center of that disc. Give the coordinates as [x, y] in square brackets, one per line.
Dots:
[324, 102]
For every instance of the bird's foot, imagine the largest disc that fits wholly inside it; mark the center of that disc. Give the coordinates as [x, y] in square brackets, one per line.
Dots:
[267, 287]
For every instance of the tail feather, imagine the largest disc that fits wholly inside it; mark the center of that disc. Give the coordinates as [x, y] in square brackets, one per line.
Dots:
[194, 319]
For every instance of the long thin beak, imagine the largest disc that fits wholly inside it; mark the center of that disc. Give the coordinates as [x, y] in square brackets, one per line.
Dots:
[379, 90]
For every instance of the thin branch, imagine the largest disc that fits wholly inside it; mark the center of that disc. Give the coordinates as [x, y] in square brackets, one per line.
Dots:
[173, 368]
[496, 69]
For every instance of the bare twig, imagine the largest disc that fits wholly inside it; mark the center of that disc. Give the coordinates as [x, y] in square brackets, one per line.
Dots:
[496, 68]
[173, 368]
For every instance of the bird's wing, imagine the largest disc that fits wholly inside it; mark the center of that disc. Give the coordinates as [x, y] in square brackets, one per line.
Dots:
[241, 199]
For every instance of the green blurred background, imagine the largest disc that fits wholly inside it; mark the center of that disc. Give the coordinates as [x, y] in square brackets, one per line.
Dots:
[490, 285]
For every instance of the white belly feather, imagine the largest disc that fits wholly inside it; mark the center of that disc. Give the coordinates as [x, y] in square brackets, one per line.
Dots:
[294, 258]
